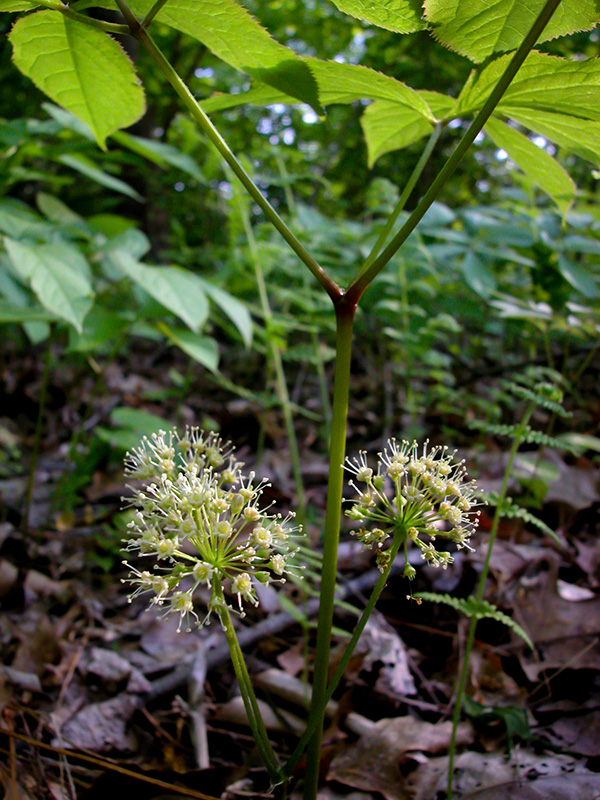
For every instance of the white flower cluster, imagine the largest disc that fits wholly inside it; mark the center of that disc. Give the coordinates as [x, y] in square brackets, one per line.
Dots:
[413, 495]
[201, 521]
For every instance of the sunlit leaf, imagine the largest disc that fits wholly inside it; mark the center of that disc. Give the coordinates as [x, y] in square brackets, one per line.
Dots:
[234, 36]
[388, 126]
[545, 83]
[480, 28]
[80, 68]
[581, 137]
[401, 16]
[535, 162]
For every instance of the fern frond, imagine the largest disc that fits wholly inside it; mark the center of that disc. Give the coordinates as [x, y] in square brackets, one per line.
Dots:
[512, 510]
[483, 610]
[538, 398]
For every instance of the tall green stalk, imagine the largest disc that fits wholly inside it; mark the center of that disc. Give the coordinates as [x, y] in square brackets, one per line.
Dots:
[257, 726]
[464, 673]
[280, 380]
[337, 452]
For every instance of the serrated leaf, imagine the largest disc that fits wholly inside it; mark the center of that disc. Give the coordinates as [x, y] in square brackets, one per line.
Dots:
[81, 68]
[579, 136]
[479, 28]
[400, 16]
[234, 36]
[235, 310]
[85, 166]
[545, 83]
[535, 163]
[388, 126]
[578, 276]
[58, 274]
[17, 5]
[202, 349]
[344, 83]
[174, 288]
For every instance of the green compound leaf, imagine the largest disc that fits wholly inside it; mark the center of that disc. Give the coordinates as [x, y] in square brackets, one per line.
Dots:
[400, 16]
[544, 83]
[176, 289]
[234, 36]
[483, 610]
[17, 5]
[58, 274]
[389, 126]
[535, 162]
[202, 349]
[81, 68]
[581, 137]
[479, 28]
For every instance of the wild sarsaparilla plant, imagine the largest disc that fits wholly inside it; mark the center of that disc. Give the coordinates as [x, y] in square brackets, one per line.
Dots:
[413, 497]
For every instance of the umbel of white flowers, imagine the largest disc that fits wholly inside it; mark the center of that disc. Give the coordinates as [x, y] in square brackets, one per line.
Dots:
[414, 496]
[199, 521]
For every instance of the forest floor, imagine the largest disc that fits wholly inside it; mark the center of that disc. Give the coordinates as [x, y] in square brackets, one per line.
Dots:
[99, 695]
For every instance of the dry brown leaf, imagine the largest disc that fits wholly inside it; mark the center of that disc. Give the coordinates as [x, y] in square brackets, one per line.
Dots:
[102, 727]
[374, 762]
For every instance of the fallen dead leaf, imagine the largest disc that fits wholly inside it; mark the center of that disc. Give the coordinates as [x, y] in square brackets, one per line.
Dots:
[374, 761]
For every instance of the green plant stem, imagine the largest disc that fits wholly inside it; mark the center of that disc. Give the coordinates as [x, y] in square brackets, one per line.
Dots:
[337, 451]
[259, 731]
[280, 381]
[410, 185]
[37, 436]
[109, 27]
[153, 12]
[368, 272]
[460, 691]
[322, 377]
[204, 123]
[319, 712]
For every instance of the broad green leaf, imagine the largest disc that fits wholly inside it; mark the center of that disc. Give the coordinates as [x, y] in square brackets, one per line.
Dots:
[56, 211]
[18, 220]
[578, 276]
[14, 314]
[479, 28]
[101, 327]
[544, 83]
[261, 95]
[80, 68]
[535, 162]
[579, 136]
[401, 16]
[232, 308]
[388, 126]
[344, 83]
[160, 153]
[202, 349]
[478, 275]
[86, 167]
[234, 36]
[338, 83]
[180, 291]
[17, 5]
[58, 274]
